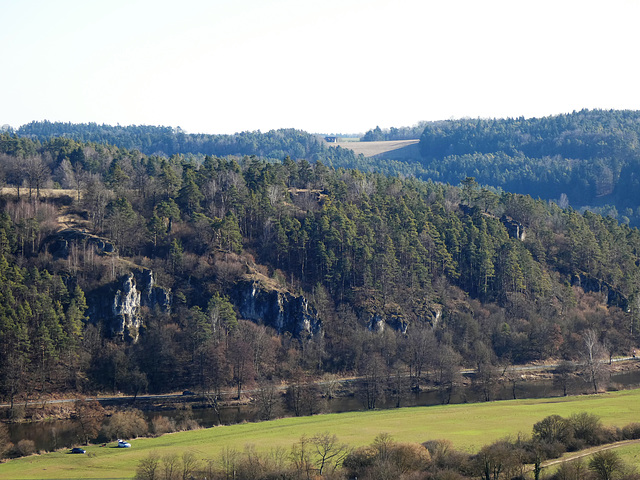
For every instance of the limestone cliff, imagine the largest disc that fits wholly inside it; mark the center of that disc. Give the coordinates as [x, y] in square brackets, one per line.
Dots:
[118, 306]
[280, 310]
[615, 298]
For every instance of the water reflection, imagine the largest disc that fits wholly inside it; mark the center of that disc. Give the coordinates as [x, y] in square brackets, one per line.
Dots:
[52, 435]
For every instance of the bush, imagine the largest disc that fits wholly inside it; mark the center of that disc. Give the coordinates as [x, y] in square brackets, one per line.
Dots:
[407, 457]
[161, 425]
[5, 440]
[184, 418]
[189, 425]
[448, 475]
[587, 429]
[387, 459]
[553, 429]
[553, 450]
[631, 431]
[571, 470]
[445, 457]
[127, 424]
[25, 447]
[605, 464]
[359, 460]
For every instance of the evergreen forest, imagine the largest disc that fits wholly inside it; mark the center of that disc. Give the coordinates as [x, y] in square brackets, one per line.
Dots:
[586, 159]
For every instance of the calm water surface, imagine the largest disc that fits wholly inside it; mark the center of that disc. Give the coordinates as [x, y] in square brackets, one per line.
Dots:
[51, 435]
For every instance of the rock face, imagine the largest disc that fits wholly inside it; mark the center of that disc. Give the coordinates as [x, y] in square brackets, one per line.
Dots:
[280, 310]
[378, 323]
[515, 229]
[59, 243]
[126, 310]
[118, 306]
[615, 298]
[393, 317]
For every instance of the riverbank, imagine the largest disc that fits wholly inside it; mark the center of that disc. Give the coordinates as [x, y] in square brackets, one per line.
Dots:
[511, 379]
[468, 427]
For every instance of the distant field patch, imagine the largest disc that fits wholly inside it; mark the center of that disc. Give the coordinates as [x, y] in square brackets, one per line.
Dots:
[44, 192]
[370, 149]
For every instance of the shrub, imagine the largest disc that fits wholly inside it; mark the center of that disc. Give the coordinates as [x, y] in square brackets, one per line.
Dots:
[448, 475]
[148, 468]
[184, 418]
[552, 429]
[445, 457]
[359, 460]
[407, 457]
[387, 459]
[25, 447]
[575, 469]
[631, 431]
[605, 464]
[127, 424]
[439, 449]
[161, 425]
[5, 440]
[553, 450]
[189, 425]
[587, 429]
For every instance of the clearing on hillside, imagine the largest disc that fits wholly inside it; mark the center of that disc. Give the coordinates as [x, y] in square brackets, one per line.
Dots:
[371, 149]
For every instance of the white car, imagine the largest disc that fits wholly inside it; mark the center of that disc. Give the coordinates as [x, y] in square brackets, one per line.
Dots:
[123, 444]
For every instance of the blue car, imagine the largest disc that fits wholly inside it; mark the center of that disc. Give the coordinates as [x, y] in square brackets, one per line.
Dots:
[123, 444]
[78, 450]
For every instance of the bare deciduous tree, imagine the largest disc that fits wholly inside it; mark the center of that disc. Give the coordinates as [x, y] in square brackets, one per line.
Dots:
[90, 415]
[329, 452]
[593, 359]
[148, 468]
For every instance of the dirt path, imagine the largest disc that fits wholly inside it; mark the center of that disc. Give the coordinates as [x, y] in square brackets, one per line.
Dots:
[587, 452]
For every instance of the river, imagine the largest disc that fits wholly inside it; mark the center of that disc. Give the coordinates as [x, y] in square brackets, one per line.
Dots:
[51, 435]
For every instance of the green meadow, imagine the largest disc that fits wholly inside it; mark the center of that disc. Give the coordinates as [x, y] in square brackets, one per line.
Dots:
[468, 426]
[630, 454]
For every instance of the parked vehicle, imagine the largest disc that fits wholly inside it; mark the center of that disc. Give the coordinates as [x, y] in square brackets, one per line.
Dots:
[78, 450]
[123, 444]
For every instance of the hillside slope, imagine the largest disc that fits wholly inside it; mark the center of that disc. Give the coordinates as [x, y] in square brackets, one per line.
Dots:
[396, 149]
[231, 271]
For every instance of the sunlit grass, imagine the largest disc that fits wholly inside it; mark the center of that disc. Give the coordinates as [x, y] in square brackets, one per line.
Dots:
[468, 426]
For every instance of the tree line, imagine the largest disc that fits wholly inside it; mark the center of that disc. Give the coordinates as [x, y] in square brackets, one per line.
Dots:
[168, 141]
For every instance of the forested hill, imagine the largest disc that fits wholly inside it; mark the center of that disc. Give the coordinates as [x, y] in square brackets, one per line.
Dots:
[588, 134]
[384, 274]
[585, 159]
[588, 159]
[167, 141]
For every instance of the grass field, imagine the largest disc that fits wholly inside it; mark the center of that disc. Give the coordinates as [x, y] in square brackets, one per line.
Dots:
[630, 454]
[468, 426]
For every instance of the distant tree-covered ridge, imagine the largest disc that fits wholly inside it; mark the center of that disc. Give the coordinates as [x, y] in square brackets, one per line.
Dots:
[168, 141]
[394, 133]
[587, 159]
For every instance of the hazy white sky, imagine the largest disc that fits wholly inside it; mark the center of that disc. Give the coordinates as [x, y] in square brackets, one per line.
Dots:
[330, 66]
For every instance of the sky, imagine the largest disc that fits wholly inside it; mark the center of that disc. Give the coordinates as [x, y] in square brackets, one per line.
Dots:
[330, 66]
